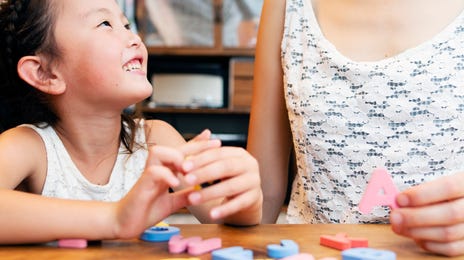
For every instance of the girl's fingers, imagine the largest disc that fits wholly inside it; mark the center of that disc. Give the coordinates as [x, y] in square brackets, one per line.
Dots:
[233, 206]
[160, 174]
[238, 189]
[221, 163]
[163, 155]
[203, 136]
[180, 199]
[226, 188]
[193, 148]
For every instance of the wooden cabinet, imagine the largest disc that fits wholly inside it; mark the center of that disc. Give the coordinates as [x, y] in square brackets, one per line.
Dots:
[241, 84]
[234, 64]
[228, 123]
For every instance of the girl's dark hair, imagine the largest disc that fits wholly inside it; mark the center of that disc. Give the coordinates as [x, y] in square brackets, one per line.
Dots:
[26, 28]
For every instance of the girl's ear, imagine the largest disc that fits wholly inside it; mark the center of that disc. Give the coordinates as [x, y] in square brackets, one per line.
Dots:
[32, 70]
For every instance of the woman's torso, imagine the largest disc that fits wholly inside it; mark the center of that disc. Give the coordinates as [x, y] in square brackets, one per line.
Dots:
[378, 95]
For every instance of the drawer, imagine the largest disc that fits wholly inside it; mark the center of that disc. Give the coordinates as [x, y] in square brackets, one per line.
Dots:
[241, 84]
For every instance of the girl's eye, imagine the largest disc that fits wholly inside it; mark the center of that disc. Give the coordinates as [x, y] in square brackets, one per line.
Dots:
[127, 26]
[105, 23]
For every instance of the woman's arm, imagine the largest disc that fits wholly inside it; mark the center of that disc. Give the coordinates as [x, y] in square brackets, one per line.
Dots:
[269, 137]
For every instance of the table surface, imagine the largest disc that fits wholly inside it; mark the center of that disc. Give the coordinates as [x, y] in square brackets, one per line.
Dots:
[255, 238]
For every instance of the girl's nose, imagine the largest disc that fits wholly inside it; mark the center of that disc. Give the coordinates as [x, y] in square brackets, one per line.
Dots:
[134, 39]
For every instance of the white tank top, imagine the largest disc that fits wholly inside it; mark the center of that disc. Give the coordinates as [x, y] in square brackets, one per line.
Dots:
[64, 180]
[404, 114]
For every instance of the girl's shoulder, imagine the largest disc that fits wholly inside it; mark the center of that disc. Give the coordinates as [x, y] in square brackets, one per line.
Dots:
[22, 155]
[162, 133]
[21, 138]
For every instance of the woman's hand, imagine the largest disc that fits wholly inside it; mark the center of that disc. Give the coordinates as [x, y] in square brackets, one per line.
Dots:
[432, 214]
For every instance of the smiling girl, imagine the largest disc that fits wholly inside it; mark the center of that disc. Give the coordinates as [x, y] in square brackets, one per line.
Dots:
[75, 167]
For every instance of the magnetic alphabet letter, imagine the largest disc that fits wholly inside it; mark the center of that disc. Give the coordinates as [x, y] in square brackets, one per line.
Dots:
[341, 241]
[380, 191]
[159, 234]
[303, 256]
[193, 245]
[231, 253]
[286, 248]
[204, 246]
[367, 254]
[72, 243]
[177, 244]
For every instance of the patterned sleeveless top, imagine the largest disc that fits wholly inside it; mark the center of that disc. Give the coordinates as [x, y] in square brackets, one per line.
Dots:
[64, 180]
[404, 114]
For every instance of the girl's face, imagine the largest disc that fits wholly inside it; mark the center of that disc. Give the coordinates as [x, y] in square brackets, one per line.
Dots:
[103, 63]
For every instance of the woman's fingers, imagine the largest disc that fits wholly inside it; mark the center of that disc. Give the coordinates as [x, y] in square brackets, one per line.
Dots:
[440, 214]
[442, 189]
[441, 234]
[432, 214]
[454, 248]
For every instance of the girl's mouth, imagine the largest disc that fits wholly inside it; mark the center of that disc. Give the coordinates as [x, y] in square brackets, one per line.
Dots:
[133, 65]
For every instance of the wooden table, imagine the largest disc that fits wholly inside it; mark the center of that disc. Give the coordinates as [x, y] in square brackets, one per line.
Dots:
[255, 238]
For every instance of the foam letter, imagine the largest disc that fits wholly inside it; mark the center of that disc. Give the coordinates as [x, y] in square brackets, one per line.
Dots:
[204, 246]
[380, 191]
[367, 254]
[286, 248]
[177, 244]
[72, 243]
[159, 234]
[231, 253]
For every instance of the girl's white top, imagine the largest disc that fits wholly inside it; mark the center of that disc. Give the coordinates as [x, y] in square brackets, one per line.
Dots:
[404, 114]
[64, 180]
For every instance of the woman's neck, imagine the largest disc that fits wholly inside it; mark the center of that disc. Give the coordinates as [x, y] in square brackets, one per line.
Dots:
[373, 30]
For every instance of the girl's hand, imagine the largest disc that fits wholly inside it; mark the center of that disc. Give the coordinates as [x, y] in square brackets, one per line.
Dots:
[433, 215]
[237, 198]
[149, 201]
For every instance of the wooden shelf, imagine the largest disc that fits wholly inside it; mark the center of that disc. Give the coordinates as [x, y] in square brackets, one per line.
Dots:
[189, 110]
[202, 51]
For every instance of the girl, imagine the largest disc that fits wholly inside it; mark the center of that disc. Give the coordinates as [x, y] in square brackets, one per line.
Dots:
[357, 85]
[69, 68]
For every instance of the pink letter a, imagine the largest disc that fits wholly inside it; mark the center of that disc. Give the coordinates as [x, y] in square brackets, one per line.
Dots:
[380, 191]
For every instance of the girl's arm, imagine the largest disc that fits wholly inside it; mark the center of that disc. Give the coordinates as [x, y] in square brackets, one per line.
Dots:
[27, 217]
[31, 218]
[269, 138]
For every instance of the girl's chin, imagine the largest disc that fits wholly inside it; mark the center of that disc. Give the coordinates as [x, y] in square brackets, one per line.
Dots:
[142, 95]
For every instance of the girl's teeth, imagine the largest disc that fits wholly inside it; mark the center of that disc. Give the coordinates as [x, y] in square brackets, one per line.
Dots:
[132, 66]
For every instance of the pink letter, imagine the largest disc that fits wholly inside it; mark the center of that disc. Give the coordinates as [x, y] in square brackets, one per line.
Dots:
[380, 191]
